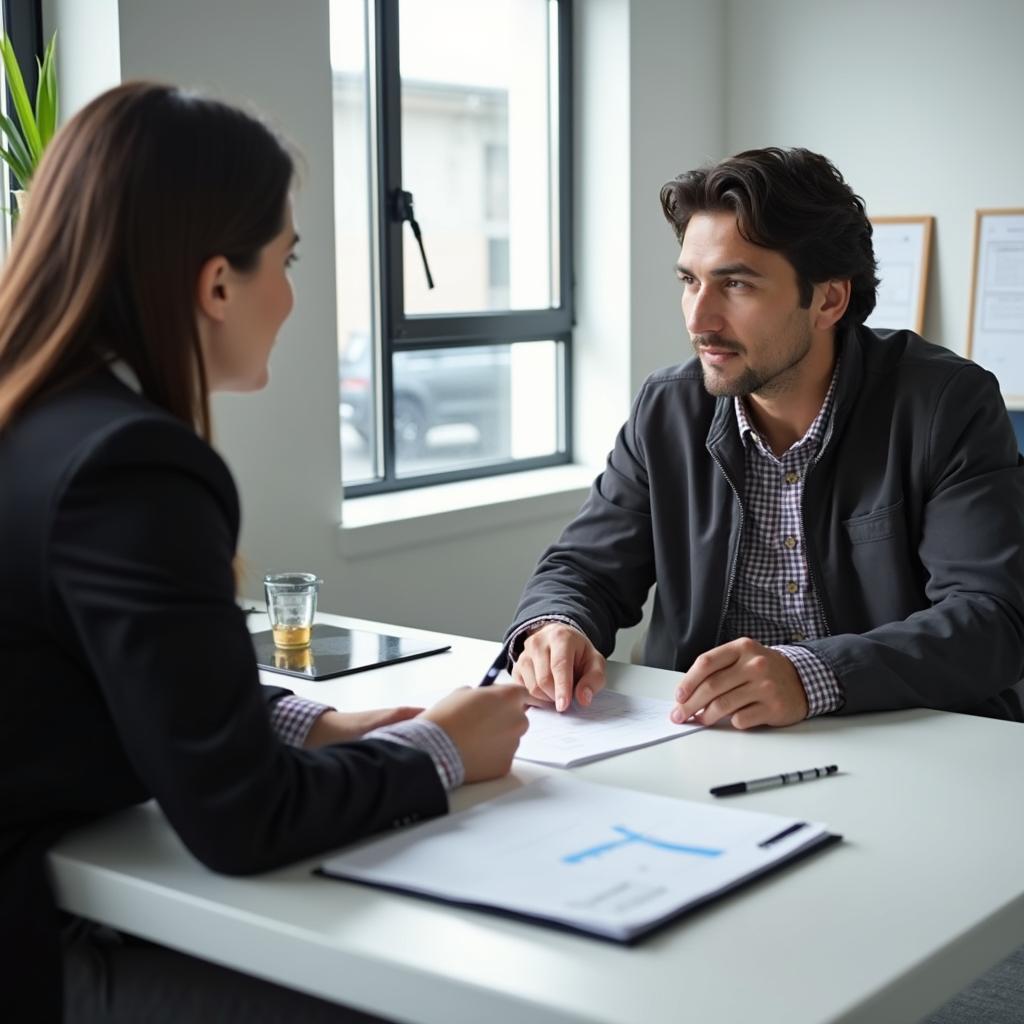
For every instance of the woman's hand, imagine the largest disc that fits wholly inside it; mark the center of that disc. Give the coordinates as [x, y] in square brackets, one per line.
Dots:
[485, 724]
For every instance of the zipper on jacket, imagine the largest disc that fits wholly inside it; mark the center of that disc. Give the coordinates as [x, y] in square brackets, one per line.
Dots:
[736, 553]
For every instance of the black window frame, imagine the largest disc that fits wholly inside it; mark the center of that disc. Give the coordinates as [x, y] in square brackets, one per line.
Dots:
[395, 331]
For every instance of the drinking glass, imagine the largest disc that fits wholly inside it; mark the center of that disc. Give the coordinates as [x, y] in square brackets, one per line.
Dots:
[291, 605]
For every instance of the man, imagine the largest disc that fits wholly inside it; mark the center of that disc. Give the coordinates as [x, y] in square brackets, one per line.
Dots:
[833, 516]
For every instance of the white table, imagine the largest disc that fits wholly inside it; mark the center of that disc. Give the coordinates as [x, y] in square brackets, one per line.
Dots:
[926, 892]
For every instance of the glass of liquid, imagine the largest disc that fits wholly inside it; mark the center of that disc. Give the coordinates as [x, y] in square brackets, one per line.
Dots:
[291, 605]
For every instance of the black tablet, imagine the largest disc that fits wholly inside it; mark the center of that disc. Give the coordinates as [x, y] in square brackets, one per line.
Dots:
[337, 651]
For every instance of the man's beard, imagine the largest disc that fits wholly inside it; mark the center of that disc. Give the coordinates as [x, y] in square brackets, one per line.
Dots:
[770, 380]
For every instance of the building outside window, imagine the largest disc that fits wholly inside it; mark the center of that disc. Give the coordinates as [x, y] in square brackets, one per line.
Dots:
[464, 105]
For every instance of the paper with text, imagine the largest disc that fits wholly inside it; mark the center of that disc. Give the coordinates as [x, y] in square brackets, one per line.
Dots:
[613, 724]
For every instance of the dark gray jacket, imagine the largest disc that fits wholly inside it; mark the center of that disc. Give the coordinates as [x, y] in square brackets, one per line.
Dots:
[913, 521]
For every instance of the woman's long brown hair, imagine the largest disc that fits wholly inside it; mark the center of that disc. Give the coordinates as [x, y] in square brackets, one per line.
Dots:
[132, 197]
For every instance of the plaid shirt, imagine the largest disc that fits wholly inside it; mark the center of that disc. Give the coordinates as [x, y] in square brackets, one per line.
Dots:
[773, 600]
[292, 716]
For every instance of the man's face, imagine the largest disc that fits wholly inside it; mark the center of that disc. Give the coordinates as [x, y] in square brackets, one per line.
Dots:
[741, 305]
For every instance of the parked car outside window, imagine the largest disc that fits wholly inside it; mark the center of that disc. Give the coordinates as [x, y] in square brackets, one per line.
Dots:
[444, 399]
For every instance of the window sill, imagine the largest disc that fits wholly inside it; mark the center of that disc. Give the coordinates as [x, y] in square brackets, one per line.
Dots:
[384, 522]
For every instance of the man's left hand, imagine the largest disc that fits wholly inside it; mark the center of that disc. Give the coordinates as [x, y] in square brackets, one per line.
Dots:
[743, 679]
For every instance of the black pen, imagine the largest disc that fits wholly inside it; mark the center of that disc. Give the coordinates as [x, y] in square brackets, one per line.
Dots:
[499, 665]
[773, 780]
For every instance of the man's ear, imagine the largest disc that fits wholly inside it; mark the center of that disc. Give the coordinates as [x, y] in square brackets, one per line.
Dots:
[212, 289]
[832, 298]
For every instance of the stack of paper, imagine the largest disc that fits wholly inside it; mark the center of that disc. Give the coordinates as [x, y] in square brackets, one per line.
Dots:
[603, 860]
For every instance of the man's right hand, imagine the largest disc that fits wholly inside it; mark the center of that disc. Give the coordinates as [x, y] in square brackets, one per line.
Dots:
[485, 724]
[555, 659]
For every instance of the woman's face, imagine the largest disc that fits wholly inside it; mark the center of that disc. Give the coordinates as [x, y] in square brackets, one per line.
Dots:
[240, 313]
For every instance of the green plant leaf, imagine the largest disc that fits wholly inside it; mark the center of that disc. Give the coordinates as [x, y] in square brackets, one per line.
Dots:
[15, 143]
[15, 164]
[46, 94]
[43, 111]
[22, 104]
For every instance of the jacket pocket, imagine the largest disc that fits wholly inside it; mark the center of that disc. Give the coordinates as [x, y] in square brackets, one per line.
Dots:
[879, 524]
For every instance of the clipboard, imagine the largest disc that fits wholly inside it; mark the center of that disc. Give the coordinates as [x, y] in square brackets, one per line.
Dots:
[617, 865]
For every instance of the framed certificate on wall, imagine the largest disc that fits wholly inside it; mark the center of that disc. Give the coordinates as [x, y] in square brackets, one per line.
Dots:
[995, 326]
[902, 247]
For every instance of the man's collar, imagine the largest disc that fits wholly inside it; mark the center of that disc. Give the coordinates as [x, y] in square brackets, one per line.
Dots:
[815, 432]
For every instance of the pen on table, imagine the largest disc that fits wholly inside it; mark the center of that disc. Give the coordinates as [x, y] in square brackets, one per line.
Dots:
[499, 665]
[774, 780]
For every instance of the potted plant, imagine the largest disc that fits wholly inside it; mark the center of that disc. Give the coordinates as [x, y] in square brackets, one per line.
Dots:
[24, 142]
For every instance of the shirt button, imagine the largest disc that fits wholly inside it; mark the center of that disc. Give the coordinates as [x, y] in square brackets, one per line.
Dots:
[797, 636]
[792, 478]
[790, 542]
[791, 587]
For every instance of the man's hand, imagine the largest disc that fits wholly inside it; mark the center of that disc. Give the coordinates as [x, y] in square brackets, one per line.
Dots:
[345, 726]
[556, 658]
[744, 679]
[485, 724]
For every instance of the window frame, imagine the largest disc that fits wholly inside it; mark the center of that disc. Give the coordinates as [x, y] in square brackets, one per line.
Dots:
[392, 330]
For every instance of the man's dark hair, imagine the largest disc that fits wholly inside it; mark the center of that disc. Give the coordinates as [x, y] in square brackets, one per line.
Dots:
[795, 202]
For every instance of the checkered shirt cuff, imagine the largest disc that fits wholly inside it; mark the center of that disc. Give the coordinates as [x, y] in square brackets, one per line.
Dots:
[518, 638]
[429, 737]
[823, 690]
[293, 716]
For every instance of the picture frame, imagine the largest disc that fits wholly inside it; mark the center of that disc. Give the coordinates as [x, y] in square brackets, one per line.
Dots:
[903, 250]
[995, 323]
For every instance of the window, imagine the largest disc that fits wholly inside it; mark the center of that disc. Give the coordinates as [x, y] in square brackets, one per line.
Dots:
[451, 119]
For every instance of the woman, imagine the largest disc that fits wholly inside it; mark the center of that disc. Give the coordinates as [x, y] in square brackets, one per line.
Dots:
[150, 269]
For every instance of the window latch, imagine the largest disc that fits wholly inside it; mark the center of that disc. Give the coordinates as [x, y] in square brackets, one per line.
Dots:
[402, 211]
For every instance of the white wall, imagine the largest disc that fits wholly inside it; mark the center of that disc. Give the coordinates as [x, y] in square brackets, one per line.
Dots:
[88, 49]
[917, 102]
[637, 127]
[602, 224]
[677, 121]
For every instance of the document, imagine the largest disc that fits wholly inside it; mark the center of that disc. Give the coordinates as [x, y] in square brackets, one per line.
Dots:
[598, 859]
[997, 329]
[612, 724]
[901, 248]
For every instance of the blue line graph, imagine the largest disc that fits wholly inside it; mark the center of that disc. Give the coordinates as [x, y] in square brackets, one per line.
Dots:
[628, 836]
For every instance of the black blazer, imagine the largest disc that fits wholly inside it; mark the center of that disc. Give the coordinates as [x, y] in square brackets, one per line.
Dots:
[128, 672]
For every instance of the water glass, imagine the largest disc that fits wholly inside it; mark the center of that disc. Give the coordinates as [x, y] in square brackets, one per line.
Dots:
[291, 605]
